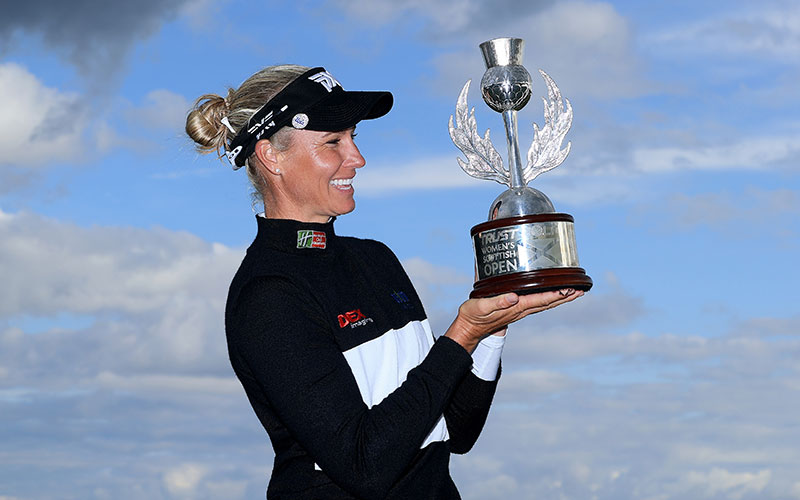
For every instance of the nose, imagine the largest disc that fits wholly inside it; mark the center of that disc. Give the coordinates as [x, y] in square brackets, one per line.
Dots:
[354, 158]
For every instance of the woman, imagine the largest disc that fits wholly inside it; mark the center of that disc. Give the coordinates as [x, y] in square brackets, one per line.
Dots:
[326, 333]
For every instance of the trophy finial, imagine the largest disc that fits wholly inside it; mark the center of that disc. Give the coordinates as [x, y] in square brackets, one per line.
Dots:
[506, 84]
[503, 52]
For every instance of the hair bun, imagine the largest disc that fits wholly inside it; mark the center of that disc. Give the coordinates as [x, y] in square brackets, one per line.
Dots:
[204, 122]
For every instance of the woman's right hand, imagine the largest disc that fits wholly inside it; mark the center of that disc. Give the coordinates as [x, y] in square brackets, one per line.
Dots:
[478, 318]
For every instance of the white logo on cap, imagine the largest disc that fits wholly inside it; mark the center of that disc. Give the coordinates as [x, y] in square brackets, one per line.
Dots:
[255, 127]
[325, 79]
[300, 120]
[233, 154]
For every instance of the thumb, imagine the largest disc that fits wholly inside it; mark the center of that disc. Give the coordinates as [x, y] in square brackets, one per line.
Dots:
[505, 301]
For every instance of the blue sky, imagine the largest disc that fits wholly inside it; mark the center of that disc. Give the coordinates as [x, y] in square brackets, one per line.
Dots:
[676, 377]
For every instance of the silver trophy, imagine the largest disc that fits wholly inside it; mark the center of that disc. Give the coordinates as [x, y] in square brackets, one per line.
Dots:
[526, 246]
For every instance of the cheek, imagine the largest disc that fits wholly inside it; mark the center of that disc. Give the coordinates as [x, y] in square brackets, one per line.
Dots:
[326, 162]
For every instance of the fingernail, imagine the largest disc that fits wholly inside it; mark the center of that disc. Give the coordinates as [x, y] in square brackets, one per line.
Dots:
[566, 292]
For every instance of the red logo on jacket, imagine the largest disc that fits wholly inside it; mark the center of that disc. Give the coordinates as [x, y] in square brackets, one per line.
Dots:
[353, 318]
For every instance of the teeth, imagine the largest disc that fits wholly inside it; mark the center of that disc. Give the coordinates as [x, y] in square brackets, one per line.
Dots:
[342, 182]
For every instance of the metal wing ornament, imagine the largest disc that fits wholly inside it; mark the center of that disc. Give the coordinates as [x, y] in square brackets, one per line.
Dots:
[545, 152]
[483, 160]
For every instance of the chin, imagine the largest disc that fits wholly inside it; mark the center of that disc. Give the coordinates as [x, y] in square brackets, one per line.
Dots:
[347, 210]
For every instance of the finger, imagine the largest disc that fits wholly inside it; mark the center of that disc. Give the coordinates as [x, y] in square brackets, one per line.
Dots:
[564, 300]
[543, 298]
[572, 295]
[545, 301]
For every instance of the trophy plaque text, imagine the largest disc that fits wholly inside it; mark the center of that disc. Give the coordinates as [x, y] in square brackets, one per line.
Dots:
[526, 246]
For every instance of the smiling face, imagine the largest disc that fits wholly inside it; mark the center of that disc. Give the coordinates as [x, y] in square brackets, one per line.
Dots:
[316, 175]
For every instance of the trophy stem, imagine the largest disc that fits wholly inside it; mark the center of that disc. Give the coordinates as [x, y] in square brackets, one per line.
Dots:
[514, 159]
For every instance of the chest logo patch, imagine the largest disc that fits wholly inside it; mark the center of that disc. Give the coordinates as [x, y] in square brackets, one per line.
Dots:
[402, 299]
[353, 319]
[307, 238]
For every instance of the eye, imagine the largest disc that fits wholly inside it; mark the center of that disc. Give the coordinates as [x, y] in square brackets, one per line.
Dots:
[333, 141]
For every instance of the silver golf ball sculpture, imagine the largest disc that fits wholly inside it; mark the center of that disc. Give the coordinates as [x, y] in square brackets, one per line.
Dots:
[525, 246]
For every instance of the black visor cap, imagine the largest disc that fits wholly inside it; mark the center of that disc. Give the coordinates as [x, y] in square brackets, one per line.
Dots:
[344, 109]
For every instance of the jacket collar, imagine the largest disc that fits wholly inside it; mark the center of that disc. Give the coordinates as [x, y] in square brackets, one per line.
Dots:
[309, 238]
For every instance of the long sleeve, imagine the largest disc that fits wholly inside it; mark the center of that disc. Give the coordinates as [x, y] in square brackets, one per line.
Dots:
[288, 362]
[466, 414]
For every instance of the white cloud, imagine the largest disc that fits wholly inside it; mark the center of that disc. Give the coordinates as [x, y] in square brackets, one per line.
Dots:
[534, 382]
[156, 297]
[161, 109]
[422, 174]
[133, 399]
[771, 31]
[582, 412]
[727, 213]
[440, 288]
[156, 122]
[681, 416]
[146, 383]
[732, 485]
[752, 153]
[578, 186]
[92, 270]
[592, 177]
[203, 13]
[184, 479]
[714, 209]
[698, 454]
[137, 399]
[586, 47]
[427, 275]
[42, 127]
[449, 15]
[107, 139]
[39, 124]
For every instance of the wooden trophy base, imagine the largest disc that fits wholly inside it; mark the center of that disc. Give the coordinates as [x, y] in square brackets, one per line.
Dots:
[541, 280]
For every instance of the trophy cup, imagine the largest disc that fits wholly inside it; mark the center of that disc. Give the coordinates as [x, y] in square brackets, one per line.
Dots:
[526, 246]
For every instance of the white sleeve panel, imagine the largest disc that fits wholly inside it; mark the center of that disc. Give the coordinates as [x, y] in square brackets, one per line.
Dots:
[486, 357]
[382, 364]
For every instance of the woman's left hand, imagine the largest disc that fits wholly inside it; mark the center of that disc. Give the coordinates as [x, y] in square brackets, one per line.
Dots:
[478, 318]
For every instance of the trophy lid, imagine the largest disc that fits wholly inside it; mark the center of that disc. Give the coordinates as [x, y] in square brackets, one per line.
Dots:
[503, 52]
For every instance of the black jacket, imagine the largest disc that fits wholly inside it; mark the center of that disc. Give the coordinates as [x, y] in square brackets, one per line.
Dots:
[331, 343]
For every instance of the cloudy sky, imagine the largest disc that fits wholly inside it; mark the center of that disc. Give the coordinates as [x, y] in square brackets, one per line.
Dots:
[675, 378]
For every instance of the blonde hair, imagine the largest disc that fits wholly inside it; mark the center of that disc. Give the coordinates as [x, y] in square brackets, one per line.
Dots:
[204, 123]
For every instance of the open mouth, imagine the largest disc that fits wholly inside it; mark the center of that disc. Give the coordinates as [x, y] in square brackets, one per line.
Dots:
[342, 184]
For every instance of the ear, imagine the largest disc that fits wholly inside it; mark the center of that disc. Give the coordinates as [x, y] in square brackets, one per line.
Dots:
[268, 156]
